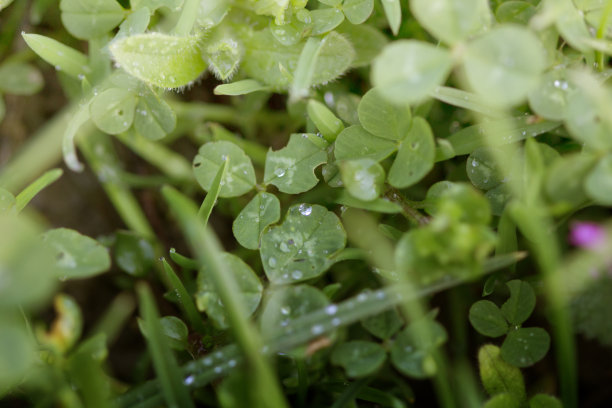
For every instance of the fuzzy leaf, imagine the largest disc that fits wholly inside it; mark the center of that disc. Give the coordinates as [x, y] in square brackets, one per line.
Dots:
[160, 59]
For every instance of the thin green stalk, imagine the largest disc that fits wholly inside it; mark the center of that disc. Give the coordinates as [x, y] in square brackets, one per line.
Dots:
[115, 317]
[601, 31]
[176, 393]
[170, 163]
[98, 151]
[42, 151]
[182, 260]
[36, 187]
[184, 298]
[534, 223]
[211, 197]
[207, 246]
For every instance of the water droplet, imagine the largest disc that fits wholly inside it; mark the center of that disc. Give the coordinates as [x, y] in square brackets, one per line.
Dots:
[336, 322]
[272, 262]
[317, 329]
[475, 163]
[218, 369]
[331, 309]
[189, 380]
[305, 209]
[207, 361]
[231, 363]
[285, 310]
[362, 297]
[278, 172]
[297, 275]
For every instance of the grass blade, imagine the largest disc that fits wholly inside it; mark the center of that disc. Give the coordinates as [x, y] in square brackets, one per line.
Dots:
[36, 187]
[206, 245]
[211, 198]
[170, 377]
[184, 298]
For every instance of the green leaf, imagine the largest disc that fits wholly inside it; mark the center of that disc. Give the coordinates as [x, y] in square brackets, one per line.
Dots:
[17, 353]
[288, 303]
[239, 177]
[363, 178]
[20, 79]
[466, 100]
[113, 110]
[305, 70]
[415, 157]
[174, 390]
[223, 54]
[410, 352]
[272, 63]
[598, 183]
[453, 21]
[586, 309]
[76, 256]
[380, 205]
[136, 23]
[551, 98]
[326, 122]
[133, 254]
[248, 283]
[213, 193]
[393, 12]
[355, 143]
[173, 329]
[291, 168]
[22, 258]
[407, 71]
[359, 358]
[211, 13]
[519, 12]
[5, 3]
[62, 57]
[499, 377]
[367, 40]
[301, 247]
[325, 20]
[261, 211]
[483, 169]
[521, 303]
[503, 401]
[544, 401]
[246, 86]
[357, 11]
[88, 19]
[487, 319]
[383, 325]
[290, 33]
[383, 118]
[7, 201]
[154, 117]
[160, 59]
[504, 64]
[525, 346]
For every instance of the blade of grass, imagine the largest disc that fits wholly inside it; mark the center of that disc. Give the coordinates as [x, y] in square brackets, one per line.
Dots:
[350, 393]
[182, 260]
[176, 394]
[184, 298]
[211, 198]
[36, 187]
[206, 245]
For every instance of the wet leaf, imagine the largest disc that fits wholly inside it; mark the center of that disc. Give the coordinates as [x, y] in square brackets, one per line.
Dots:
[363, 178]
[76, 256]
[248, 283]
[262, 211]
[359, 358]
[355, 143]
[291, 168]
[113, 110]
[407, 71]
[62, 57]
[302, 246]
[87, 19]
[154, 117]
[382, 118]
[357, 11]
[415, 157]
[487, 319]
[410, 352]
[521, 303]
[383, 325]
[239, 177]
[525, 346]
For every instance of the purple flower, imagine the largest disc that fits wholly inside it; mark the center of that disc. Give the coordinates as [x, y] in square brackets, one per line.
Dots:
[587, 235]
